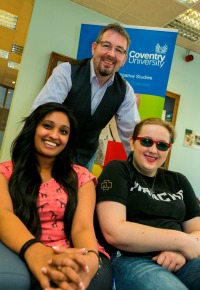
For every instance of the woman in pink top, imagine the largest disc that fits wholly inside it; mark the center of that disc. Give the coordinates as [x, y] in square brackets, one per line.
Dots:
[46, 210]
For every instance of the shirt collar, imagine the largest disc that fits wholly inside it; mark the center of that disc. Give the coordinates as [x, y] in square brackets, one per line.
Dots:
[93, 75]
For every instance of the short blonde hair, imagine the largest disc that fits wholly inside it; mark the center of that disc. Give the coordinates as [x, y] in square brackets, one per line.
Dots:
[155, 121]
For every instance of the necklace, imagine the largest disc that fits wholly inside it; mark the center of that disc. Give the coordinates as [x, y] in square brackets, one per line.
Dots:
[151, 190]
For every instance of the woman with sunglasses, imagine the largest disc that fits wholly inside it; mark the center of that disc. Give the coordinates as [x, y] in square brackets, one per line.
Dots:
[149, 217]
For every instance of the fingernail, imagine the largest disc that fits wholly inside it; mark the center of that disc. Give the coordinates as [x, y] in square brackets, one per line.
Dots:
[55, 247]
[87, 269]
[81, 285]
[44, 270]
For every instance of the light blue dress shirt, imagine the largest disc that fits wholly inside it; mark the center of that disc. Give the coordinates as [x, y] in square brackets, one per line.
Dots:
[59, 84]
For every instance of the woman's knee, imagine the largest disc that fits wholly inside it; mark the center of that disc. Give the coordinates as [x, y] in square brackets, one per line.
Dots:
[14, 273]
[189, 274]
[142, 273]
[102, 280]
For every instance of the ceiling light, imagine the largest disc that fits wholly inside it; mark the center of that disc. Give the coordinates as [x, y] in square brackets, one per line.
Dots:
[17, 49]
[14, 65]
[4, 54]
[8, 20]
[190, 18]
[188, 25]
[188, 2]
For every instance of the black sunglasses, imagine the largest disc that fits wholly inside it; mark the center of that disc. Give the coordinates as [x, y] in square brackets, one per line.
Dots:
[148, 142]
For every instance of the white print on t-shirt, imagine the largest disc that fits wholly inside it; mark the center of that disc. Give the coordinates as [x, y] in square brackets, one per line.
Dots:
[164, 196]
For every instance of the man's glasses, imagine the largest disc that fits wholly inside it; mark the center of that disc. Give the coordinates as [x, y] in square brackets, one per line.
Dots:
[107, 46]
[148, 142]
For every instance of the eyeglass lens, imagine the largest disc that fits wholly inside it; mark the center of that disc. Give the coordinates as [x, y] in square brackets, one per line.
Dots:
[147, 142]
[108, 46]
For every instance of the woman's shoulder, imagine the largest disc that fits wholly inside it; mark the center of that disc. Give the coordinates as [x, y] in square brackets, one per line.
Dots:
[6, 164]
[119, 165]
[118, 169]
[169, 172]
[173, 175]
[80, 169]
[6, 168]
[83, 174]
[116, 162]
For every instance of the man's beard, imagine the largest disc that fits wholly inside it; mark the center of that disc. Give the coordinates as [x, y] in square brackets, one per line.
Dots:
[105, 72]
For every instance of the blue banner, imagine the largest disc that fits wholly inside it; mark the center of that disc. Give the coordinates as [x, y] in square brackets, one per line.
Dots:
[149, 58]
[147, 69]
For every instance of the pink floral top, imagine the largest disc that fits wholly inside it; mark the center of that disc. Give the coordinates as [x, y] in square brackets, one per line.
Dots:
[52, 201]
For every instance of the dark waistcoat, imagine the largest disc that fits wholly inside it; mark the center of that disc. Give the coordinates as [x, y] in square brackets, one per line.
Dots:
[79, 100]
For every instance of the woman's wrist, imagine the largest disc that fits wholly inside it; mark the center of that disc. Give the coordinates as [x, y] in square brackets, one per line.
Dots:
[98, 257]
[26, 246]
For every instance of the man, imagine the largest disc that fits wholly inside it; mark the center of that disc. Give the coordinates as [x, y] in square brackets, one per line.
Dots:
[96, 92]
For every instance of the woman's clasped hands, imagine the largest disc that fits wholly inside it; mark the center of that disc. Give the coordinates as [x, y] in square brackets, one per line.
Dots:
[67, 268]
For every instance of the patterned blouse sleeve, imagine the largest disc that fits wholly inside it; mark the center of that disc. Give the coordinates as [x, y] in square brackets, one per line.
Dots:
[84, 175]
[6, 169]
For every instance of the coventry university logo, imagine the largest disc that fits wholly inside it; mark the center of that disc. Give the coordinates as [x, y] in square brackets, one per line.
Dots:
[156, 58]
[161, 49]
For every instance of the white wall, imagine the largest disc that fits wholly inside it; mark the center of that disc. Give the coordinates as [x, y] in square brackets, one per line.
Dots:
[55, 26]
[185, 80]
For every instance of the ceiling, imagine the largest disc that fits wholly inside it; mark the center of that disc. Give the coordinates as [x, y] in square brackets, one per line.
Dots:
[8, 37]
[153, 13]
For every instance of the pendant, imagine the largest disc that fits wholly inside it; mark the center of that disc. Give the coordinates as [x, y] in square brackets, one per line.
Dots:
[152, 191]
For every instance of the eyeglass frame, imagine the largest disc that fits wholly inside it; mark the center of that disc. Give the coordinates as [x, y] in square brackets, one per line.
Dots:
[168, 145]
[118, 49]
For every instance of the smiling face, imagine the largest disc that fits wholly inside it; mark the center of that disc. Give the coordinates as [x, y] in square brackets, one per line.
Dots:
[107, 62]
[148, 159]
[51, 135]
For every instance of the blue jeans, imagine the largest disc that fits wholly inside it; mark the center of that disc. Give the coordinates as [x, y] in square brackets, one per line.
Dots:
[141, 273]
[14, 273]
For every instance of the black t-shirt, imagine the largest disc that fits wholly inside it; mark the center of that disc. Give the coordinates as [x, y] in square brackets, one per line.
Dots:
[172, 203]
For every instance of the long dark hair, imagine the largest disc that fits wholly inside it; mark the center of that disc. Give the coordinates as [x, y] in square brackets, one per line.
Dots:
[25, 180]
